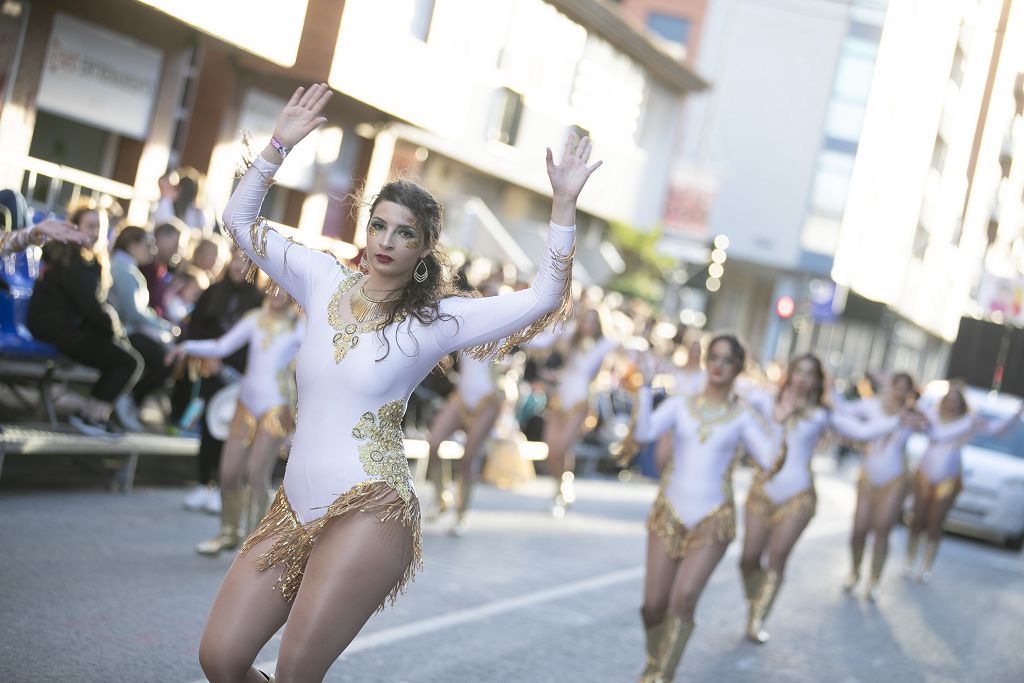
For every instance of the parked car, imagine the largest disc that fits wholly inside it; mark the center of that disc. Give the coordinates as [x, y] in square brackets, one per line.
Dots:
[991, 504]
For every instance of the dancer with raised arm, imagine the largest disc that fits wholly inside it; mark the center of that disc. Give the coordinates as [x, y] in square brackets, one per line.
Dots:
[883, 478]
[938, 479]
[694, 519]
[264, 416]
[778, 511]
[342, 537]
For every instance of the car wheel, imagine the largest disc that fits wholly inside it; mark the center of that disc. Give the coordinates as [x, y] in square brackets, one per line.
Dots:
[1016, 542]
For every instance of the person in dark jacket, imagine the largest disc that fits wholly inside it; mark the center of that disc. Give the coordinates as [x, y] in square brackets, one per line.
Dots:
[216, 311]
[68, 309]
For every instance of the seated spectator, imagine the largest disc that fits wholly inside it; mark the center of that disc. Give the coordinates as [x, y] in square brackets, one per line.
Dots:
[179, 198]
[186, 286]
[15, 232]
[68, 309]
[209, 255]
[171, 238]
[148, 333]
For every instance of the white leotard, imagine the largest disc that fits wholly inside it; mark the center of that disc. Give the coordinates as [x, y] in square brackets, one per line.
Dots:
[942, 458]
[272, 348]
[884, 458]
[698, 479]
[476, 380]
[349, 411]
[580, 369]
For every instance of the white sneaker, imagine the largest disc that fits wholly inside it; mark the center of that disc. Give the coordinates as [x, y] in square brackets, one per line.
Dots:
[196, 498]
[127, 414]
[211, 502]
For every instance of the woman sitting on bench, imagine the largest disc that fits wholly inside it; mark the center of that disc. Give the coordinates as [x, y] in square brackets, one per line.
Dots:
[68, 309]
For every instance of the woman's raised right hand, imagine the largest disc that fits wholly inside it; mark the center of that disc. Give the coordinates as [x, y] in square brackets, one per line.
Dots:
[302, 114]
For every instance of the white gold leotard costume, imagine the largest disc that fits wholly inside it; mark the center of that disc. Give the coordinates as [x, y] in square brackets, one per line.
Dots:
[792, 488]
[695, 506]
[941, 465]
[353, 386]
[884, 462]
[266, 398]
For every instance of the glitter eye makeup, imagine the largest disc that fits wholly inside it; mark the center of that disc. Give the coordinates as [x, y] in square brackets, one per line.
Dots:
[413, 243]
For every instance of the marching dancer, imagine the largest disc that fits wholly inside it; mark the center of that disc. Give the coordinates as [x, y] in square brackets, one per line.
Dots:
[264, 416]
[694, 519]
[937, 481]
[585, 347]
[777, 511]
[474, 406]
[883, 479]
[343, 534]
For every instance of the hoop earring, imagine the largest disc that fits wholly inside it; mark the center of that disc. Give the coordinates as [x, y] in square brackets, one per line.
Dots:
[418, 276]
[364, 263]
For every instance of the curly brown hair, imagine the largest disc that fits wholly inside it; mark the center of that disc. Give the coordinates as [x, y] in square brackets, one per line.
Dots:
[421, 300]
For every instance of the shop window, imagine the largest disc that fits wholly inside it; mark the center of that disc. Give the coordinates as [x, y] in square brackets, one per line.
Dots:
[673, 29]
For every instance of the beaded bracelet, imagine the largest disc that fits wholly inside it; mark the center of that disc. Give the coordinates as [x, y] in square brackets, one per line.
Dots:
[279, 146]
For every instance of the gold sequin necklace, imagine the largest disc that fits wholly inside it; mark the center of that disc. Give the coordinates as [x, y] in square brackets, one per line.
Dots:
[708, 418]
[367, 312]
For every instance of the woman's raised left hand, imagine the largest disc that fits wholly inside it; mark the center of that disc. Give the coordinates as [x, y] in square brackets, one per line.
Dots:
[302, 114]
[570, 175]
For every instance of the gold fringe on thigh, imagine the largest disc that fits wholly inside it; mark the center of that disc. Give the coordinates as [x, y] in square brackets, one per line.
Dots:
[941, 490]
[759, 503]
[295, 540]
[276, 422]
[880, 490]
[718, 526]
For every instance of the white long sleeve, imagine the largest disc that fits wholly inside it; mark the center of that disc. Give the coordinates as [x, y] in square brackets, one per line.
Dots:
[235, 338]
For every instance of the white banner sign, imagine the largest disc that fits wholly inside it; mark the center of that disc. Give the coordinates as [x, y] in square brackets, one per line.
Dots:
[258, 118]
[691, 195]
[99, 77]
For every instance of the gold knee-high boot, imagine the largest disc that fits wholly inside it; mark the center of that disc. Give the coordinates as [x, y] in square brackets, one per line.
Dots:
[463, 489]
[677, 634]
[232, 504]
[259, 503]
[913, 541]
[930, 550]
[654, 636]
[877, 564]
[763, 605]
[752, 582]
[857, 557]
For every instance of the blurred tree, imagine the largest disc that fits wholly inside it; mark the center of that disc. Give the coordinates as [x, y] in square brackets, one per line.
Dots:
[646, 270]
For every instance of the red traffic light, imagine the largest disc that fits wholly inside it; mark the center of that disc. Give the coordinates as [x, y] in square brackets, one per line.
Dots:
[785, 307]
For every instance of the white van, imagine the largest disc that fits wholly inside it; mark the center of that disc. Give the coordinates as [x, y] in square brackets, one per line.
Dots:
[991, 504]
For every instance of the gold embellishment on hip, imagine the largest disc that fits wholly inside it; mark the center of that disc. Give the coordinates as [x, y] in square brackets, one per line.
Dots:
[295, 540]
[276, 422]
[718, 526]
[761, 504]
[876, 490]
[561, 264]
[383, 454]
[943, 489]
[469, 415]
[347, 334]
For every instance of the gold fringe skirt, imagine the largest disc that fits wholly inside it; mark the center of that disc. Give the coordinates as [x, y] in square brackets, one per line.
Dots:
[877, 491]
[718, 526]
[295, 540]
[940, 490]
[761, 504]
[469, 415]
[276, 422]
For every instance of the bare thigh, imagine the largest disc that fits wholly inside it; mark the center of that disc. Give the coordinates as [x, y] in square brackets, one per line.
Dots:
[921, 504]
[937, 514]
[862, 514]
[477, 434]
[658, 576]
[784, 536]
[887, 510]
[692, 575]
[246, 613]
[355, 564]
[444, 425]
[233, 463]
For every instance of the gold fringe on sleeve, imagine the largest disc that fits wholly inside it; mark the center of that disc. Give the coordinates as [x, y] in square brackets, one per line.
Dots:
[561, 264]
[295, 540]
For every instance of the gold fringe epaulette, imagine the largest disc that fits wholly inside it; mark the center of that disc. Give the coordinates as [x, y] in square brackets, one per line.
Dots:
[295, 540]
[562, 266]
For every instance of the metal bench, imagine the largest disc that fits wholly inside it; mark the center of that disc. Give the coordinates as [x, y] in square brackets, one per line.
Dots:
[43, 375]
[25, 439]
